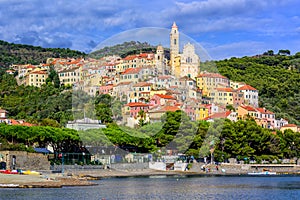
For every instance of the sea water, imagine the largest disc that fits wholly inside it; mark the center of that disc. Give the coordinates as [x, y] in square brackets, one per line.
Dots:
[170, 187]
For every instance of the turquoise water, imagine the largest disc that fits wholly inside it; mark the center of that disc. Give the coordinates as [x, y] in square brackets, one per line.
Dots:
[162, 187]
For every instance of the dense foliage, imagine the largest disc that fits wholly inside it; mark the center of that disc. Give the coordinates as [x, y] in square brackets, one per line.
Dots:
[127, 48]
[243, 140]
[11, 53]
[61, 139]
[276, 76]
[33, 104]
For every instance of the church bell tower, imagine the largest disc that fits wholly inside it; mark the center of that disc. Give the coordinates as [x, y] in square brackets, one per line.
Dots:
[174, 50]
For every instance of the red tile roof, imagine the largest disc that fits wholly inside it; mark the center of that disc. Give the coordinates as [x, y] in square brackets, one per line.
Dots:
[132, 70]
[225, 89]
[124, 83]
[246, 87]
[130, 57]
[170, 108]
[142, 84]
[137, 104]
[38, 72]
[16, 122]
[211, 75]
[165, 96]
[264, 111]
[218, 115]
[164, 109]
[290, 125]
[249, 108]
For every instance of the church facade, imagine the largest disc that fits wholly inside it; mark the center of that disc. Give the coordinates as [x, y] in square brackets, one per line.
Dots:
[182, 64]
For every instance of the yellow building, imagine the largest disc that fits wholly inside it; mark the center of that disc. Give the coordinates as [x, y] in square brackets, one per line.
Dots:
[246, 111]
[174, 48]
[201, 113]
[177, 66]
[208, 82]
[292, 127]
[36, 78]
[223, 96]
[131, 75]
[70, 76]
[140, 92]
[236, 85]
[154, 92]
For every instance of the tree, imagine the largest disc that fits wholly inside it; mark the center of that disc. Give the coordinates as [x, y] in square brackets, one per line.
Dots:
[142, 118]
[53, 77]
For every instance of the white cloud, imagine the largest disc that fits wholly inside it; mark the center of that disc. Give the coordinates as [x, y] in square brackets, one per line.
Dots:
[77, 23]
[237, 49]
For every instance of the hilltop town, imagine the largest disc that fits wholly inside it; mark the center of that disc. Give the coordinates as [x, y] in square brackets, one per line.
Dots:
[150, 84]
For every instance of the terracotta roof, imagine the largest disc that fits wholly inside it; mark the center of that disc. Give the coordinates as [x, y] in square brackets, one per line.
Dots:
[130, 57]
[219, 115]
[248, 108]
[225, 89]
[264, 111]
[17, 122]
[143, 55]
[137, 104]
[246, 87]
[142, 84]
[165, 109]
[170, 108]
[165, 96]
[124, 83]
[211, 75]
[164, 77]
[290, 125]
[132, 70]
[38, 72]
[31, 66]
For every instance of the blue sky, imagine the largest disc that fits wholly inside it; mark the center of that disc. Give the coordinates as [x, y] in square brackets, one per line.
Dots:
[225, 28]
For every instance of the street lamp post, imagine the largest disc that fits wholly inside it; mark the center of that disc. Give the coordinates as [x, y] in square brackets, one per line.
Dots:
[62, 163]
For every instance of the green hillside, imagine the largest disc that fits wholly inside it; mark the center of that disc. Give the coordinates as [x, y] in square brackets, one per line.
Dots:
[124, 49]
[276, 76]
[11, 53]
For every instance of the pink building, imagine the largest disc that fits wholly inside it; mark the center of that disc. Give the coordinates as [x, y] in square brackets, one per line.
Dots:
[133, 108]
[162, 100]
[106, 89]
[267, 115]
[190, 111]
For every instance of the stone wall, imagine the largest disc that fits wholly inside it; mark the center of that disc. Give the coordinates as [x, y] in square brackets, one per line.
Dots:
[130, 166]
[25, 160]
